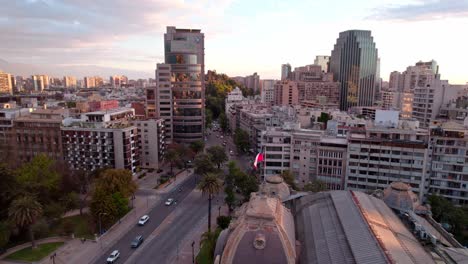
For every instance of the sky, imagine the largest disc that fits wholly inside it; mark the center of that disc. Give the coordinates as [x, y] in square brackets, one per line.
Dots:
[241, 37]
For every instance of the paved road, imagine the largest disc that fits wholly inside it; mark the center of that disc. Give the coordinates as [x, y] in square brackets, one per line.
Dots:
[166, 244]
[157, 216]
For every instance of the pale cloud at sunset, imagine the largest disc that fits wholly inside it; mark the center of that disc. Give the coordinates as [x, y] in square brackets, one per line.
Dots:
[241, 37]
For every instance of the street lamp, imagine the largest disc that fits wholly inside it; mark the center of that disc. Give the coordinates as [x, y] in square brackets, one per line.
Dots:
[100, 229]
[133, 198]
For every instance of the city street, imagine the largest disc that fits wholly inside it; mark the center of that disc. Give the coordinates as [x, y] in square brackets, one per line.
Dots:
[244, 161]
[157, 216]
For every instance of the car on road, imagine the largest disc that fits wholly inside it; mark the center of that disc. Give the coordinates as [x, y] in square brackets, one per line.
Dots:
[113, 256]
[143, 220]
[169, 201]
[221, 137]
[137, 241]
[224, 143]
[231, 152]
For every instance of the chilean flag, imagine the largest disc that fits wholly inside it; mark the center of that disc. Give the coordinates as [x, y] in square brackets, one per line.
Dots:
[258, 158]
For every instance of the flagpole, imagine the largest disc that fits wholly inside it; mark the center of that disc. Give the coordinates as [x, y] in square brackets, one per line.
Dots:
[264, 163]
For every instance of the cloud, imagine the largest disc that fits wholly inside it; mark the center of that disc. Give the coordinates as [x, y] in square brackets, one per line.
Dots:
[423, 10]
[90, 31]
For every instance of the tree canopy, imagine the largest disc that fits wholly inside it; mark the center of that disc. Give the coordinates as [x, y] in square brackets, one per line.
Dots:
[217, 155]
[241, 139]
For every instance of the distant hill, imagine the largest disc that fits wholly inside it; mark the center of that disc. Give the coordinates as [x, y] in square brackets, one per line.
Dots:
[79, 70]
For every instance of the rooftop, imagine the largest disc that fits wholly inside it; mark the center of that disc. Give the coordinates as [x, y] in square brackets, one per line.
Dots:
[353, 227]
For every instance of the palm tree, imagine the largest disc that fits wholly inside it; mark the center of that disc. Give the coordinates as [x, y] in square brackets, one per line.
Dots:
[209, 184]
[24, 212]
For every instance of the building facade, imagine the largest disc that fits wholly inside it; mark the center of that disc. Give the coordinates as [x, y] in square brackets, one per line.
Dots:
[323, 61]
[185, 64]
[353, 63]
[6, 86]
[449, 163]
[285, 71]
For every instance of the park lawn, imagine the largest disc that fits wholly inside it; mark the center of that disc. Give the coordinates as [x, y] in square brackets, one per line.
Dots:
[81, 226]
[30, 255]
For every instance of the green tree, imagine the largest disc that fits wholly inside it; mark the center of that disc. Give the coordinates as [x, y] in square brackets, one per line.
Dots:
[223, 221]
[116, 181]
[315, 186]
[223, 122]
[172, 157]
[24, 212]
[210, 184]
[121, 203]
[208, 118]
[288, 177]
[230, 198]
[218, 155]
[241, 139]
[203, 164]
[102, 206]
[5, 232]
[8, 189]
[40, 178]
[197, 146]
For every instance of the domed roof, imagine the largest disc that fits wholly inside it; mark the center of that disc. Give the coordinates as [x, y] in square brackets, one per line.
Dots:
[400, 196]
[275, 179]
[275, 186]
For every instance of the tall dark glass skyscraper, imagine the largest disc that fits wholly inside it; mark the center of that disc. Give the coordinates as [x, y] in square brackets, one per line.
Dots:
[354, 64]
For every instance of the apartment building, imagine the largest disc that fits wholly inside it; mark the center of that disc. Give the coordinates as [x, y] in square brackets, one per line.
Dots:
[402, 101]
[151, 140]
[386, 151]
[6, 85]
[101, 139]
[286, 93]
[449, 162]
[308, 154]
[430, 98]
[38, 133]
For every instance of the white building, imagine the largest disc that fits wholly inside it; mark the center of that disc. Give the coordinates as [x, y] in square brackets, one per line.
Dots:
[268, 92]
[151, 139]
[101, 139]
[233, 97]
[323, 61]
[449, 163]
[380, 154]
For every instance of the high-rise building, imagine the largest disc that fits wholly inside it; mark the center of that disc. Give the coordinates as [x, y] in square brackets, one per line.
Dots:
[449, 167]
[89, 82]
[267, 93]
[286, 93]
[179, 94]
[6, 86]
[69, 81]
[285, 71]
[40, 82]
[323, 61]
[353, 63]
[396, 81]
[253, 82]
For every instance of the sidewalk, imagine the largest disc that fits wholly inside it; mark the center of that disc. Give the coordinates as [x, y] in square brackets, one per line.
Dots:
[185, 254]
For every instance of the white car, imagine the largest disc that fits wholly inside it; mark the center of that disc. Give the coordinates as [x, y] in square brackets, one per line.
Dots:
[113, 256]
[169, 201]
[143, 220]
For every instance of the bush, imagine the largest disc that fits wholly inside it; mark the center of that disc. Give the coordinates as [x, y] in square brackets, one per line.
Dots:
[223, 221]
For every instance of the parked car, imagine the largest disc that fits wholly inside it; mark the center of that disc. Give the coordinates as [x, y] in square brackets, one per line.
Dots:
[113, 256]
[143, 220]
[137, 241]
[169, 201]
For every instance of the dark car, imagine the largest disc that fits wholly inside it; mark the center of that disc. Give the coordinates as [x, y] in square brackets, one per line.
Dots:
[137, 241]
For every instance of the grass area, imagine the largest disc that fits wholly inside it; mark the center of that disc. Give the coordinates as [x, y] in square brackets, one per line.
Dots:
[78, 225]
[30, 255]
[205, 256]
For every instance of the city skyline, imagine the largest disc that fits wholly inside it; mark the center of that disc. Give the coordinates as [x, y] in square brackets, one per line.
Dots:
[129, 36]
